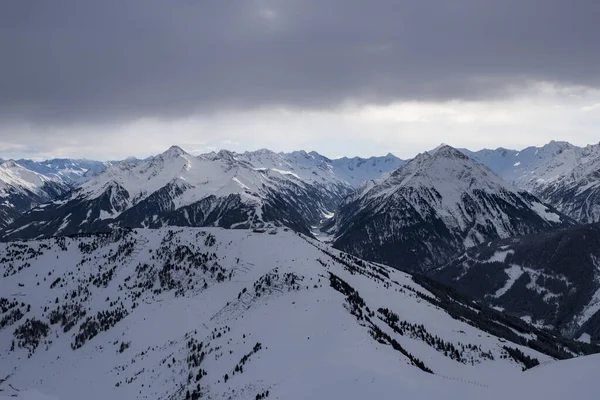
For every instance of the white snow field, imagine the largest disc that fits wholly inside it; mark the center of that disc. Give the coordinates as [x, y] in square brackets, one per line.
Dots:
[234, 314]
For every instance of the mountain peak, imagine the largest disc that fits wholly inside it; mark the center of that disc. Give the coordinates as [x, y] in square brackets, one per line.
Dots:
[558, 145]
[448, 168]
[262, 151]
[446, 151]
[226, 155]
[173, 151]
[9, 164]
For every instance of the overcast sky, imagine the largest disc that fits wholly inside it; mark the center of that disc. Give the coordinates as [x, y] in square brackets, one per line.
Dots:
[112, 78]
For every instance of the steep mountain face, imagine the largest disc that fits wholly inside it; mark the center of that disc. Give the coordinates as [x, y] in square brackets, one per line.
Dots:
[552, 278]
[438, 204]
[22, 189]
[209, 313]
[176, 188]
[559, 173]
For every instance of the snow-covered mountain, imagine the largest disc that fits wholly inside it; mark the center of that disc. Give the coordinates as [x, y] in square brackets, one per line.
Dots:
[559, 173]
[72, 172]
[209, 313]
[438, 204]
[21, 189]
[176, 188]
[352, 171]
[25, 184]
[551, 278]
[358, 170]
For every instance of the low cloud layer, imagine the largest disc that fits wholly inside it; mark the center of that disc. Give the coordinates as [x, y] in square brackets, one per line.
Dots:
[541, 114]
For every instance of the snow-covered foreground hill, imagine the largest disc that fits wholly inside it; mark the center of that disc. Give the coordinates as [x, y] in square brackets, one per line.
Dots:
[190, 312]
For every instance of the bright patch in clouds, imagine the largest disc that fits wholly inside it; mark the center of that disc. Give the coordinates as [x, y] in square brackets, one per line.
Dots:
[534, 117]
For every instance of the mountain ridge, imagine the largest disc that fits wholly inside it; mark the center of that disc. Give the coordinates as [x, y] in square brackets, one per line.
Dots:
[434, 205]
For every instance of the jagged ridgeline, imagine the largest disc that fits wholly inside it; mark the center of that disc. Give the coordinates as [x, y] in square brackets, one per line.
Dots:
[249, 190]
[561, 174]
[214, 313]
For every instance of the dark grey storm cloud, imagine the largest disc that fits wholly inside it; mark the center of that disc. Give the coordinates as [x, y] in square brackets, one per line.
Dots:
[106, 60]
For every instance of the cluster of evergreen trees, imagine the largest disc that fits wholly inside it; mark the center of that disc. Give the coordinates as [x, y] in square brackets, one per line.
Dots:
[97, 240]
[262, 395]
[239, 368]
[357, 304]
[11, 312]
[68, 315]
[30, 334]
[196, 355]
[273, 280]
[19, 254]
[353, 298]
[418, 331]
[92, 326]
[384, 338]
[520, 357]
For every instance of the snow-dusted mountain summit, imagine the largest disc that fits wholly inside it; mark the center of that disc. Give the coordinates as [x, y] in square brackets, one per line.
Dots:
[559, 173]
[439, 203]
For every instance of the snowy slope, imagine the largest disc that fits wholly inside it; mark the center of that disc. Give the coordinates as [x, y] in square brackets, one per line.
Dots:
[235, 314]
[22, 189]
[436, 205]
[551, 278]
[559, 173]
[176, 188]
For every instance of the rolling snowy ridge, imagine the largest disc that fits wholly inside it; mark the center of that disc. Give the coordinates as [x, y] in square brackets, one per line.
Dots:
[213, 313]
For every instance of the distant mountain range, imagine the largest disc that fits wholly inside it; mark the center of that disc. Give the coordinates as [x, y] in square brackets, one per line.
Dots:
[559, 173]
[253, 189]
